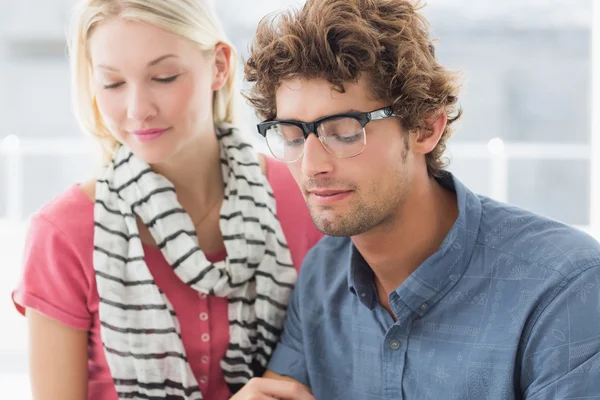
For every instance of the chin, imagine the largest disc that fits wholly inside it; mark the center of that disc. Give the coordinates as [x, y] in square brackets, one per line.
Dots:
[331, 229]
[152, 153]
[347, 224]
[330, 225]
[154, 156]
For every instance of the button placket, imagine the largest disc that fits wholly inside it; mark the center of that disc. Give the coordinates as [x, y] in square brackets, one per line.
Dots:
[204, 324]
[395, 345]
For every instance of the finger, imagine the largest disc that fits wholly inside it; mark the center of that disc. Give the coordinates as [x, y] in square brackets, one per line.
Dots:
[250, 394]
[281, 389]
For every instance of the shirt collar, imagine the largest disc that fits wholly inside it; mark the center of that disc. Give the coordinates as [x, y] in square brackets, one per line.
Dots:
[360, 278]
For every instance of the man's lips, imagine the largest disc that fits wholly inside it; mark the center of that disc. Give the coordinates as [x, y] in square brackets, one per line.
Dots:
[328, 196]
[327, 192]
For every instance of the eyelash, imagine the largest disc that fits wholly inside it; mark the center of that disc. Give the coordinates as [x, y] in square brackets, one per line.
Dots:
[160, 80]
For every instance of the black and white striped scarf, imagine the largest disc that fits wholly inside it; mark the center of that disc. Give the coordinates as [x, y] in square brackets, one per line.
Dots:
[139, 328]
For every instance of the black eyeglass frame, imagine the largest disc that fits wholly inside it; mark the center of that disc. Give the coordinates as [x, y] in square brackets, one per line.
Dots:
[307, 128]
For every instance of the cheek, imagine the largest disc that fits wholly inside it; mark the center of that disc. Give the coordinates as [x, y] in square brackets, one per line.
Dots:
[111, 108]
[377, 156]
[380, 165]
[190, 100]
[387, 152]
[179, 100]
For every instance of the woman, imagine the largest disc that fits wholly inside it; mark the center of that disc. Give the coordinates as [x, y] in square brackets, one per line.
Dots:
[167, 275]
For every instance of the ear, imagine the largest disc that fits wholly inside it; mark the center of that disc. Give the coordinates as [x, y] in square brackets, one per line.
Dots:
[425, 140]
[221, 66]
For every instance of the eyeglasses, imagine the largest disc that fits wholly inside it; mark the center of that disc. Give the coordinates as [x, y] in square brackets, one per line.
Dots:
[342, 135]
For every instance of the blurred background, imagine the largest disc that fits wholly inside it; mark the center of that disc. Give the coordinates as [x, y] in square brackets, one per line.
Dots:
[530, 134]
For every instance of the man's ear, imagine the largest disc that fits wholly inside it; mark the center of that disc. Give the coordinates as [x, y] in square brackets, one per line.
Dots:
[221, 66]
[426, 138]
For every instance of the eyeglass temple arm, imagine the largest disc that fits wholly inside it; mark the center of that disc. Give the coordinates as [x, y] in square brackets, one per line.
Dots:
[381, 114]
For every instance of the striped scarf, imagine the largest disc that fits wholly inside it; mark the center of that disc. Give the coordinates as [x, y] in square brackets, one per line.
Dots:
[139, 328]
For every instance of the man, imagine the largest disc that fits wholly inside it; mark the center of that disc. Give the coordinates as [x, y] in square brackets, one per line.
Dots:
[422, 289]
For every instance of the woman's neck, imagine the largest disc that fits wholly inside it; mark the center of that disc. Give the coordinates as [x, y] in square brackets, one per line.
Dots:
[196, 174]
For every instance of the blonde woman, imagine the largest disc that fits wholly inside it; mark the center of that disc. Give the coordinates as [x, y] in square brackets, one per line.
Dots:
[168, 274]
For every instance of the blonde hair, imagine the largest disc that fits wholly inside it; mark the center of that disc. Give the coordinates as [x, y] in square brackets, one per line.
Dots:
[194, 20]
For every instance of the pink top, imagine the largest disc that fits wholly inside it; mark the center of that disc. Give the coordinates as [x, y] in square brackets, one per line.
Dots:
[59, 281]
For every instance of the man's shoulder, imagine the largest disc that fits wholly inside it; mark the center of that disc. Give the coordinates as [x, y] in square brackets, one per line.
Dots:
[536, 239]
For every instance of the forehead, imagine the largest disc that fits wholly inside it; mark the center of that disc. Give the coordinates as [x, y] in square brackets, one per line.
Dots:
[120, 41]
[311, 99]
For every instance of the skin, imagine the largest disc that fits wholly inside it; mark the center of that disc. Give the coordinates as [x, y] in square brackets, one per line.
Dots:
[130, 97]
[384, 199]
[57, 359]
[273, 387]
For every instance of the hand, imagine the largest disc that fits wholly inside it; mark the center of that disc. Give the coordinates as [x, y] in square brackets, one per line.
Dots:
[273, 389]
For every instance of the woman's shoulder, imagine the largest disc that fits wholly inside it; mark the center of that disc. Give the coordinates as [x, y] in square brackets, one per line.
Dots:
[276, 171]
[285, 188]
[71, 212]
[292, 211]
[56, 277]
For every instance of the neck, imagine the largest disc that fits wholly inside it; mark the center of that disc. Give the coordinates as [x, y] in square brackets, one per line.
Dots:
[196, 174]
[397, 249]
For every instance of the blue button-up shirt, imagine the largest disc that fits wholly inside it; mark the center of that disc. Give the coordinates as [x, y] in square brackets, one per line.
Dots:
[507, 308]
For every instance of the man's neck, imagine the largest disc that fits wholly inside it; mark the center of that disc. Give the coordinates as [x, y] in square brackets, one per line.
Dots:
[396, 250]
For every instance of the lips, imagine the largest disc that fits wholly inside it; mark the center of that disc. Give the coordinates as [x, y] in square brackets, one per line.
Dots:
[147, 135]
[326, 193]
[328, 196]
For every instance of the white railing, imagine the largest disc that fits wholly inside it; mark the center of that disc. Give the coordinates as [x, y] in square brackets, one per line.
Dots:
[496, 151]
[499, 153]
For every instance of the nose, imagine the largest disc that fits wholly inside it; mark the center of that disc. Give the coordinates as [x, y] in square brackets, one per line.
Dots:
[141, 106]
[316, 159]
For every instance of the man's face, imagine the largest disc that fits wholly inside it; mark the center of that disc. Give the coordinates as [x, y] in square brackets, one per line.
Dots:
[348, 196]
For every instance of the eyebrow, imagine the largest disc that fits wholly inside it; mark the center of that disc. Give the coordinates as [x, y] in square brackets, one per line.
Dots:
[150, 64]
[348, 111]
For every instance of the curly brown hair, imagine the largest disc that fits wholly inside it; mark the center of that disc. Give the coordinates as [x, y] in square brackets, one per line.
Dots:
[342, 40]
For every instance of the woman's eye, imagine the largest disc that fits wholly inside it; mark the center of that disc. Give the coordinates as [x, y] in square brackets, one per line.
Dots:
[113, 85]
[166, 80]
[160, 80]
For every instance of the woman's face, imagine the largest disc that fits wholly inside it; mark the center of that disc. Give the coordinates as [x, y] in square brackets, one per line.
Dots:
[154, 89]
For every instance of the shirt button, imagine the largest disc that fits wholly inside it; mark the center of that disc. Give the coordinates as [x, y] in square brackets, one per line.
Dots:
[424, 307]
[203, 380]
[203, 316]
[204, 359]
[394, 344]
[202, 296]
[205, 337]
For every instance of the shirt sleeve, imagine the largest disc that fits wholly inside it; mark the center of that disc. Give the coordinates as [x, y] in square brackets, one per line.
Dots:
[288, 357]
[53, 281]
[561, 359]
